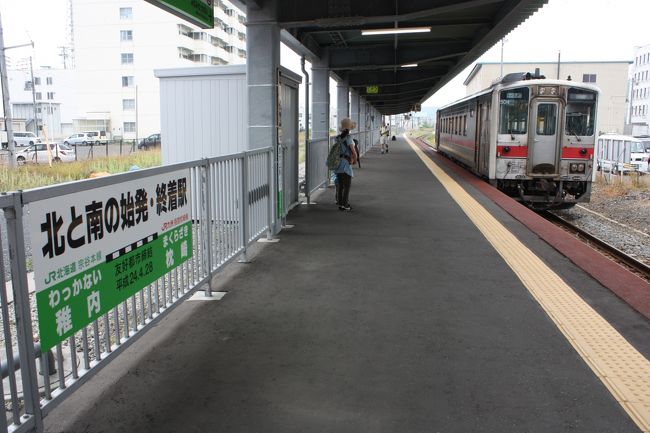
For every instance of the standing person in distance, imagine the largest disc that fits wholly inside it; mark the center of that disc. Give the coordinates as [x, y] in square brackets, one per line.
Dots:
[344, 170]
[383, 139]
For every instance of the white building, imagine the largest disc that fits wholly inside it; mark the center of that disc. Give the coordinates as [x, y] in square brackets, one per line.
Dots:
[638, 111]
[610, 77]
[51, 99]
[119, 43]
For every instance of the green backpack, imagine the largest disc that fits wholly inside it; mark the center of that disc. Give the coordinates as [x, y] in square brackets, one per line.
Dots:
[334, 155]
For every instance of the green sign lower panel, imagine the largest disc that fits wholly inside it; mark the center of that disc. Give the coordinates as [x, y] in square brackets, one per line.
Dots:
[74, 303]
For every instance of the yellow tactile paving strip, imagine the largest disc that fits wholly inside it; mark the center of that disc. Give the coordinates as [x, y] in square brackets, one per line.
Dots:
[623, 370]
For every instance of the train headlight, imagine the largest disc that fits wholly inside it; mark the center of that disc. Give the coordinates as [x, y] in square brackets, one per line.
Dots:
[576, 167]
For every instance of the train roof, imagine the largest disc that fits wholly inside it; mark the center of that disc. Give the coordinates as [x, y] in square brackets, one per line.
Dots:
[510, 83]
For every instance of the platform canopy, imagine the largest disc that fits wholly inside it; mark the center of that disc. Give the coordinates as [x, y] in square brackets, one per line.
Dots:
[380, 67]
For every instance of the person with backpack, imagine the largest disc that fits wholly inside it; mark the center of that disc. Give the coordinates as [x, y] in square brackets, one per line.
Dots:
[348, 157]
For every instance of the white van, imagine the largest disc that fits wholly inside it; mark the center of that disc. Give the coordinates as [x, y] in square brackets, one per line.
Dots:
[97, 137]
[621, 154]
[25, 138]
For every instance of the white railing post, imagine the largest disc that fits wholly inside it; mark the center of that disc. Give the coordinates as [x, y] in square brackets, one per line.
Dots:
[245, 201]
[24, 330]
[269, 234]
[206, 187]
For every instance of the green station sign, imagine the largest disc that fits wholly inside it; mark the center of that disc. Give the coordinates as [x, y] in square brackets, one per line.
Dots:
[372, 90]
[197, 12]
[96, 248]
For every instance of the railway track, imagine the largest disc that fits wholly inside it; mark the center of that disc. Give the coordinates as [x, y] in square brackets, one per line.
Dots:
[637, 266]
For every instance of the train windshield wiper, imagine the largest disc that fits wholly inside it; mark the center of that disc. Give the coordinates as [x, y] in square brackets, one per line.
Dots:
[572, 132]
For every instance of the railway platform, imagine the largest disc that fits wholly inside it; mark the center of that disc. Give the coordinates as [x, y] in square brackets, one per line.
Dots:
[436, 305]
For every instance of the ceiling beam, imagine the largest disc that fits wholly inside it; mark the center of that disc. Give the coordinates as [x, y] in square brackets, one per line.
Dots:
[307, 47]
[389, 78]
[435, 27]
[374, 56]
[386, 19]
[392, 66]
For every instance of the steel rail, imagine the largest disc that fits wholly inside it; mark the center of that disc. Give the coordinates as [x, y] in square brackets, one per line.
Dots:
[619, 255]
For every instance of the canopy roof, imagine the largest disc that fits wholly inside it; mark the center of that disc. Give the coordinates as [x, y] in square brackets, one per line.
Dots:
[460, 32]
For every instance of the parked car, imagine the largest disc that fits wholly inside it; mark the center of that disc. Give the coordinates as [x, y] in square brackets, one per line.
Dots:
[37, 154]
[97, 137]
[82, 138]
[25, 138]
[150, 142]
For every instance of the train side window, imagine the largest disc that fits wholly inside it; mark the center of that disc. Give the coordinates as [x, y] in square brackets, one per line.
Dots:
[546, 119]
[513, 113]
[465, 125]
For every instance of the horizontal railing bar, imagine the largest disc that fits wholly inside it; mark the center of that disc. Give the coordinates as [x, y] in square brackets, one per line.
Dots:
[47, 192]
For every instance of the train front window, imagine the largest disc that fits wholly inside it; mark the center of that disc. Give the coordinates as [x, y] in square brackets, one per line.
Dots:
[546, 119]
[513, 113]
[580, 112]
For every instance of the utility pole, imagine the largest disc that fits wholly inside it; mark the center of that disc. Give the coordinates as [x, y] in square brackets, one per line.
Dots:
[503, 42]
[559, 53]
[5, 99]
[31, 71]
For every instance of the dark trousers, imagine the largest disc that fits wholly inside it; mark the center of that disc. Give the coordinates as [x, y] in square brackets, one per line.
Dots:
[344, 182]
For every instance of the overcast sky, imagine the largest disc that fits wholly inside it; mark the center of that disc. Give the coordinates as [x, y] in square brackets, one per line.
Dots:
[581, 29]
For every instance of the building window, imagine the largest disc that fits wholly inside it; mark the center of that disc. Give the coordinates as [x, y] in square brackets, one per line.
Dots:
[126, 35]
[589, 78]
[185, 53]
[49, 81]
[38, 96]
[37, 81]
[126, 13]
[127, 81]
[128, 104]
[28, 85]
[127, 58]
[50, 95]
[129, 126]
[184, 30]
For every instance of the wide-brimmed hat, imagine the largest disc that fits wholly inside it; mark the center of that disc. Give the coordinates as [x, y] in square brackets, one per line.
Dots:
[348, 124]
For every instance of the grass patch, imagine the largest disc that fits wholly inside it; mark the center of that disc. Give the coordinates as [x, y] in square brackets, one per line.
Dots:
[612, 186]
[33, 176]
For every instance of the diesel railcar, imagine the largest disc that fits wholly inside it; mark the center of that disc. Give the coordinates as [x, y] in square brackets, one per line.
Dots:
[531, 137]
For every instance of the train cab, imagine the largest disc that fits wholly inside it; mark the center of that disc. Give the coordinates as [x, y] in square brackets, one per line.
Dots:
[533, 138]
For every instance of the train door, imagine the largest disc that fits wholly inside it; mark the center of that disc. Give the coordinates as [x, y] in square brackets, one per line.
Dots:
[543, 153]
[483, 135]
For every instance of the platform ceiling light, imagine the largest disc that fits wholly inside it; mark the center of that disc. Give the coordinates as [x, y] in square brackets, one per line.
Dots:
[410, 65]
[395, 31]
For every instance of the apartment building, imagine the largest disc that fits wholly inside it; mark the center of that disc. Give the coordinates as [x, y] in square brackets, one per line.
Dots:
[639, 96]
[119, 43]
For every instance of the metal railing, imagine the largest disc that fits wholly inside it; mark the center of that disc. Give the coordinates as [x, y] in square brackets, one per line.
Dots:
[317, 174]
[230, 208]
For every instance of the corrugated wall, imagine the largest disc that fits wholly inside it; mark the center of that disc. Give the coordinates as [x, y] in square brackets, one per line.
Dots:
[203, 116]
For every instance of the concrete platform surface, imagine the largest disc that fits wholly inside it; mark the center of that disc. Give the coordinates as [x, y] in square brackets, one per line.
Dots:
[396, 317]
